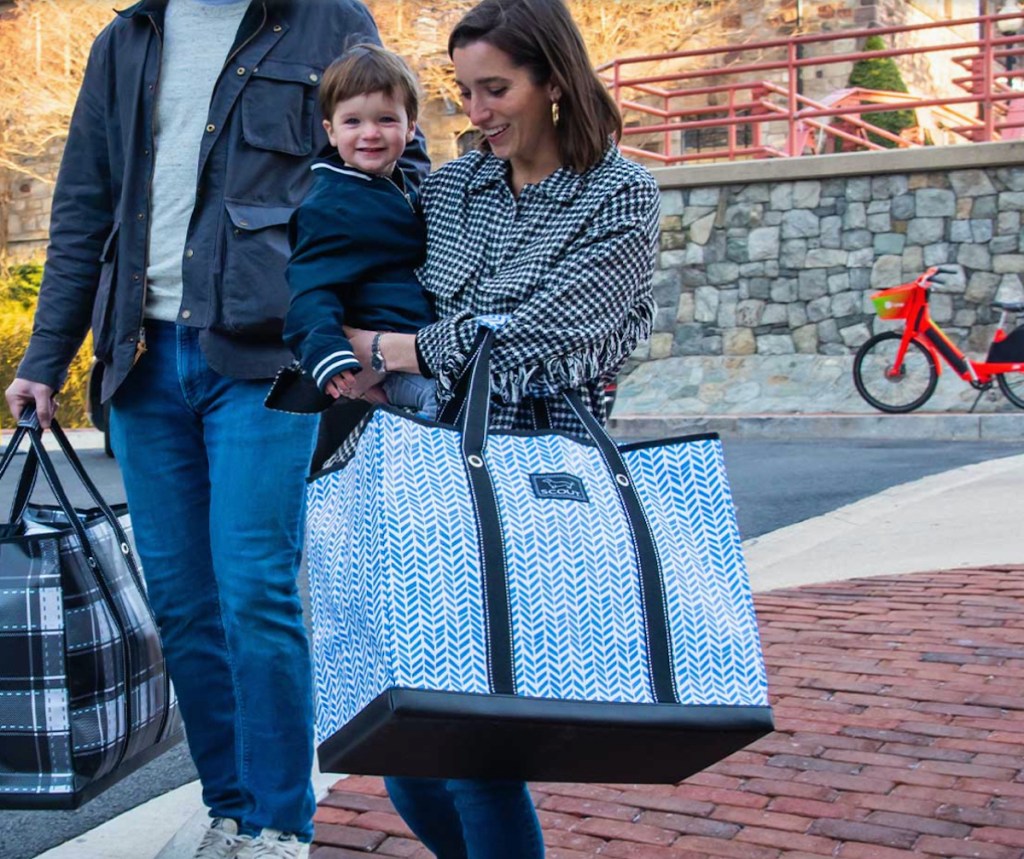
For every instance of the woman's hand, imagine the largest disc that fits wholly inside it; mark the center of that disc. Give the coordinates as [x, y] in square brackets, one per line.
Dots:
[361, 341]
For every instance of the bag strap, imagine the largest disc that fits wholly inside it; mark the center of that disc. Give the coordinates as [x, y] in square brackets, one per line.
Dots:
[28, 424]
[652, 581]
[470, 412]
[26, 486]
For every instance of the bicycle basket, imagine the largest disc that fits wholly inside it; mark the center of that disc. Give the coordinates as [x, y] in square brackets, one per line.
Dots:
[893, 303]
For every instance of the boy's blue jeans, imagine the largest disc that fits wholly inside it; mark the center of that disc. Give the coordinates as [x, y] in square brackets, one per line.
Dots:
[215, 489]
[469, 818]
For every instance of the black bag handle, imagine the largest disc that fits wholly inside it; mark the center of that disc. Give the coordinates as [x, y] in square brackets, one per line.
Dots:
[38, 457]
[26, 486]
[28, 425]
[469, 411]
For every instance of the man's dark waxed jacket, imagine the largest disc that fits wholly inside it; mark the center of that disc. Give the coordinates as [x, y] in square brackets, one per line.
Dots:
[263, 131]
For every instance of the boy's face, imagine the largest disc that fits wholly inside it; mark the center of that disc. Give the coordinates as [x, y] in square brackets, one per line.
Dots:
[370, 131]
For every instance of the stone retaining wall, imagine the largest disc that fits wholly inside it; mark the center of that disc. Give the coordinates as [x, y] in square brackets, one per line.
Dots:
[766, 269]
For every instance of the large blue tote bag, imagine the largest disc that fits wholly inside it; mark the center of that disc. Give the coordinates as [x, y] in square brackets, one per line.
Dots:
[527, 605]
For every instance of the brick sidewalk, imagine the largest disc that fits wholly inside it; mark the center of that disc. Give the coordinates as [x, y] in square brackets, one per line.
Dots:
[899, 704]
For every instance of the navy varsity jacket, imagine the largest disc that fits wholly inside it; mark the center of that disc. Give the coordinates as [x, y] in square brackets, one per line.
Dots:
[356, 240]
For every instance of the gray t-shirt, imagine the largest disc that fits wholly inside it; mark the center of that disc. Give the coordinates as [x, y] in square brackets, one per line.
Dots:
[197, 37]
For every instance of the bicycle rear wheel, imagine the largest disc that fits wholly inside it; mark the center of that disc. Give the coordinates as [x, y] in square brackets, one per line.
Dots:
[1012, 386]
[903, 392]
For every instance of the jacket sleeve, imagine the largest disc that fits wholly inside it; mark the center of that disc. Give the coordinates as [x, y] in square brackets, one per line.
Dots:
[583, 319]
[323, 265]
[81, 221]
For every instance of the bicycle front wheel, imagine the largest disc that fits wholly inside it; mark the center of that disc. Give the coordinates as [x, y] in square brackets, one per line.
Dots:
[889, 391]
[1012, 386]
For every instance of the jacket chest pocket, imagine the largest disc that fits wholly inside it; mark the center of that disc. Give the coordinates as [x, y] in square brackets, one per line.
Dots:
[278, 107]
[254, 292]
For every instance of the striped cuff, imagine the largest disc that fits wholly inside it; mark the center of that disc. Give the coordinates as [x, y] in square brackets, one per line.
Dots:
[335, 363]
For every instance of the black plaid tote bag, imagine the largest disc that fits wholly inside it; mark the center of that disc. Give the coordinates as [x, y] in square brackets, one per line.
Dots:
[84, 694]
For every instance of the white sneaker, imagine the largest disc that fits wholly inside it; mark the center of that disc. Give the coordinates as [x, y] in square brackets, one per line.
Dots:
[222, 841]
[273, 844]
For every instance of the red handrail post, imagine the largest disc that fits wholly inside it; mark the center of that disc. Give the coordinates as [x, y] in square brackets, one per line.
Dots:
[667, 136]
[988, 80]
[792, 106]
[616, 84]
[732, 125]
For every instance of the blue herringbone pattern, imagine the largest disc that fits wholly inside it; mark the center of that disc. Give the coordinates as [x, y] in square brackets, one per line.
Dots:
[395, 601]
[573, 582]
[395, 572]
[686, 494]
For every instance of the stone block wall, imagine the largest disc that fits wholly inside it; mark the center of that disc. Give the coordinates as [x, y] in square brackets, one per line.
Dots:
[25, 203]
[763, 284]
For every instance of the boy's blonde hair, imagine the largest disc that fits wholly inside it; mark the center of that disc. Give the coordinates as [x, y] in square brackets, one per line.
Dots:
[365, 69]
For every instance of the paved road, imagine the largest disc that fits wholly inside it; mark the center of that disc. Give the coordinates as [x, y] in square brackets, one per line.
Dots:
[774, 483]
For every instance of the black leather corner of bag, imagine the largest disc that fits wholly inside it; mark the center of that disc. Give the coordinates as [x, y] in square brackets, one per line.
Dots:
[294, 391]
[432, 734]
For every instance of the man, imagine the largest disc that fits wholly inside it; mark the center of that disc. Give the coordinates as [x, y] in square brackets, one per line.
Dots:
[188, 150]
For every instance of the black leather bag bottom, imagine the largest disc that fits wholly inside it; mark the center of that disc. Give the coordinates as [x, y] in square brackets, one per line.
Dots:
[414, 732]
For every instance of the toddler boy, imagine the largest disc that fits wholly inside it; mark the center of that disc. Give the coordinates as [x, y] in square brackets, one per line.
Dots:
[358, 236]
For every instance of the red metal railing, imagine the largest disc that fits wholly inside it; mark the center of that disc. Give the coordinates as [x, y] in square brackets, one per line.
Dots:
[776, 119]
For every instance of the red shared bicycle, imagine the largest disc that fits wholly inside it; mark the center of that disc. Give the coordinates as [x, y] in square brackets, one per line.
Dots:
[897, 371]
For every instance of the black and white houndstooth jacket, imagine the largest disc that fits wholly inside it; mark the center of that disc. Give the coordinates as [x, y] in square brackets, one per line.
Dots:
[570, 262]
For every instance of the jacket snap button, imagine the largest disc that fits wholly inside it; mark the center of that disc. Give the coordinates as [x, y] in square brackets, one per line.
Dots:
[278, 28]
[314, 78]
[190, 253]
[211, 128]
[185, 314]
[241, 70]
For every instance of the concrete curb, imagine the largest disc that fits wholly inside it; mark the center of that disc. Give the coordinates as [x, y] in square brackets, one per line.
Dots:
[935, 426]
[167, 827]
[959, 518]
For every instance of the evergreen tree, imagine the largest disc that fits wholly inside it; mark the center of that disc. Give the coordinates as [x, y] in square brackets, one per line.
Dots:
[882, 73]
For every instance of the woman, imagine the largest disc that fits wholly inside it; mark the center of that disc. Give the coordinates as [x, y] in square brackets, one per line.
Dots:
[549, 226]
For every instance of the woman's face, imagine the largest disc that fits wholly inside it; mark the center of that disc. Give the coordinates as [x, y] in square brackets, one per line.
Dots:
[511, 111]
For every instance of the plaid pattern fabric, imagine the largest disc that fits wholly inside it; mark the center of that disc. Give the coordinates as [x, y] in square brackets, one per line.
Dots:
[80, 662]
[570, 262]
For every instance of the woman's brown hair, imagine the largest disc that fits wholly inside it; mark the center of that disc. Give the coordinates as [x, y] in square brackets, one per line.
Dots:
[541, 36]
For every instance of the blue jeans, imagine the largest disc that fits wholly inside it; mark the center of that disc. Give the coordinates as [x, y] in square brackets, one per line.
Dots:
[215, 486]
[469, 818]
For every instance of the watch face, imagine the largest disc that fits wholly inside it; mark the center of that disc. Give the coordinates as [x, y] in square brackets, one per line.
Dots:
[376, 359]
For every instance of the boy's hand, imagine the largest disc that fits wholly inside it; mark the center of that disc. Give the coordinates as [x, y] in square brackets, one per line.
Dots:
[341, 384]
[354, 386]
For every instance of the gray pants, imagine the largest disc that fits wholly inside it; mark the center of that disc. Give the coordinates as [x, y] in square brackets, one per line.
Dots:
[413, 391]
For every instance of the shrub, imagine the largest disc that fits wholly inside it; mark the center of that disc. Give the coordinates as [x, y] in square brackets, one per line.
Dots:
[882, 73]
[19, 287]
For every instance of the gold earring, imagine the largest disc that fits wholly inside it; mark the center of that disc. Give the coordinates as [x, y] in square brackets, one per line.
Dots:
[554, 112]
